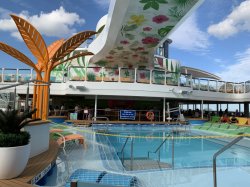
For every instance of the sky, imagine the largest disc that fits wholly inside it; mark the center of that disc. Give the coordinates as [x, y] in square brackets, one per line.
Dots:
[214, 38]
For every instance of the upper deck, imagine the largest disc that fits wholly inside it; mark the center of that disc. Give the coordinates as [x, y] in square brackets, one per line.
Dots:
[153, 83]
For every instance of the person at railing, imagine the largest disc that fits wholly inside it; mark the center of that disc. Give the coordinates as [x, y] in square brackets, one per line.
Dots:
[62, 110]
[233, 119]
[224, 119]
[85, 113]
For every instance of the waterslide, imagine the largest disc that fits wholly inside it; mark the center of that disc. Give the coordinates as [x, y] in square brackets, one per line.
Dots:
[135, 28]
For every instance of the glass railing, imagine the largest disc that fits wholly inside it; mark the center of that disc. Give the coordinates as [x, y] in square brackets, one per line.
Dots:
[127, 75]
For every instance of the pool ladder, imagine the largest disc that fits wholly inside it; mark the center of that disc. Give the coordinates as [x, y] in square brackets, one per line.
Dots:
[158, 149]
[131, 152]
[226, 147]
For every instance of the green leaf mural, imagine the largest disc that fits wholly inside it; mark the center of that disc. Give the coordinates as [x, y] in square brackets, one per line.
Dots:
[174, 12]
[164, 31]
[154, 4]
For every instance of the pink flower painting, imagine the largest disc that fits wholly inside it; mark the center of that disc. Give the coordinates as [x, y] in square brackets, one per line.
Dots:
[160, 19]
[150, 40]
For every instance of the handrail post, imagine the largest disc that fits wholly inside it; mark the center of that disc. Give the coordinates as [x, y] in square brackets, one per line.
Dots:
[173, 151]
[132, 155]
[230, 144]
[159, 155]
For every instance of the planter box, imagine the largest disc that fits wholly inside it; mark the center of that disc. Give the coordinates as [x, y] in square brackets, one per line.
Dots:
[39, 140]
[13, 161]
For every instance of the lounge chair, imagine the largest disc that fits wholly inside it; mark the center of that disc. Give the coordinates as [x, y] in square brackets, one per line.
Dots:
[102, 178]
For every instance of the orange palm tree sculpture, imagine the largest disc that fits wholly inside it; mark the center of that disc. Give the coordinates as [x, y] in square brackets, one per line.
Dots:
[47, 58]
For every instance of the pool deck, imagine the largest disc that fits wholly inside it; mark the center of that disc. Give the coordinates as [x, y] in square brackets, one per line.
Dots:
[34, 167]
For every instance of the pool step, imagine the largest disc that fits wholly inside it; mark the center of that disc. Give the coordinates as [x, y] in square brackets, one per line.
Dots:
[144, 164]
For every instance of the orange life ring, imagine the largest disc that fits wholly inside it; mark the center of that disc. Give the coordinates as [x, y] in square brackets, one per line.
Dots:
[150, 115]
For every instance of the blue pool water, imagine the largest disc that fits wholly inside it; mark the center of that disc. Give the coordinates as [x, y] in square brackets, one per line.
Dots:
[189, 150]
[193, 156]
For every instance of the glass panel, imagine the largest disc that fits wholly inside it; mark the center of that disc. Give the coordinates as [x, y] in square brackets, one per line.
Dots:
[77, 73]
[158, 77]
[10, 75]
[196, 84]
[247, 84]
[127, 75]
[24, 75]
[172, 78]
[143, 76]
[94, 74]
[221, 86]
[185, 80]
[57, 76]
[229, 87]
[204, 84]
[212, 86]
[110, 74]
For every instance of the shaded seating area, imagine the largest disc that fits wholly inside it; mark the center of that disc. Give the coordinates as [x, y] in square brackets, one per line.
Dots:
[242, 127]
[86, 177]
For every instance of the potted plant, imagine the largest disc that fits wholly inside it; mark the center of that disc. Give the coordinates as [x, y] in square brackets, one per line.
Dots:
[14, 143]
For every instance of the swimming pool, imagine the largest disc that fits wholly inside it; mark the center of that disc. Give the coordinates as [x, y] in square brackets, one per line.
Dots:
[192, 156]
[189, 150]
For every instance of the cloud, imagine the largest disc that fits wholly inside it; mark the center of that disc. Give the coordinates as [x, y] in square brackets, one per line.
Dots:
[189, 37]
[102, 3]
[57, 23]
[237, 21]
[239, 71]
[4, 13]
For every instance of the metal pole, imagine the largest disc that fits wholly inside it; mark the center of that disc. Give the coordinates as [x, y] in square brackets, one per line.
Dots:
[173, 151]
[14, 102]
[164, 109]
[41, 109]
[27, 99]
[202, 112]
[132, 154]
[95, 112]
[230, 144]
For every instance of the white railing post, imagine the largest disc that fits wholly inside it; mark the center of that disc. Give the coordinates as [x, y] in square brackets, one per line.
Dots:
[135, 77]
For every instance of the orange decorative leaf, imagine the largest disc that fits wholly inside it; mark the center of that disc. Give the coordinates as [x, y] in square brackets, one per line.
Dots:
[54, 47]
[17, 54]
[85, 53]
[32, 38]
[71, 44]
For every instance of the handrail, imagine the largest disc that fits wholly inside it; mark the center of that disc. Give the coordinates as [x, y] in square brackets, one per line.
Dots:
[23, 83]
[122, 150]
[158, 149]
[230, 144]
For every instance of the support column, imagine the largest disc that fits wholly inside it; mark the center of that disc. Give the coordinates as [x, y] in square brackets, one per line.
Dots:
[95, 112]
[202, 109]
[246, 109]
[164, 109]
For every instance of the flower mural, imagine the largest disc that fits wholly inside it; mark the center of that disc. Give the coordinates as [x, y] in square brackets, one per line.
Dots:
[145, 25]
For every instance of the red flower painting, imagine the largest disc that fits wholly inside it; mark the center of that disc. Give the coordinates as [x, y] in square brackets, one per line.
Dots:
[125, 42]
[150, 40]
[160, 19]
[147, 28]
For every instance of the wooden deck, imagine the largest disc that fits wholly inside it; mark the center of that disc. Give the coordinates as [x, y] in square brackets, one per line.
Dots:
[35, 166]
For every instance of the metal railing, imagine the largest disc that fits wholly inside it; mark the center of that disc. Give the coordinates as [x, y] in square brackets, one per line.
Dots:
[158, 149]
[230, 144]
[122, 150]
[145, 76]
[28, 90]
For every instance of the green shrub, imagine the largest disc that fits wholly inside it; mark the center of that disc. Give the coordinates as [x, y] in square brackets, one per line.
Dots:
[11, 124]
[13, 140]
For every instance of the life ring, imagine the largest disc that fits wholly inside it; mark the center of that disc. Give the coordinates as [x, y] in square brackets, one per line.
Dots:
[150, 116]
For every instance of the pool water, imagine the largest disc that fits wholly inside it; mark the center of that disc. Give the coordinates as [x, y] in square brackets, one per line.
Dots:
[192, 157]
[189, 150]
